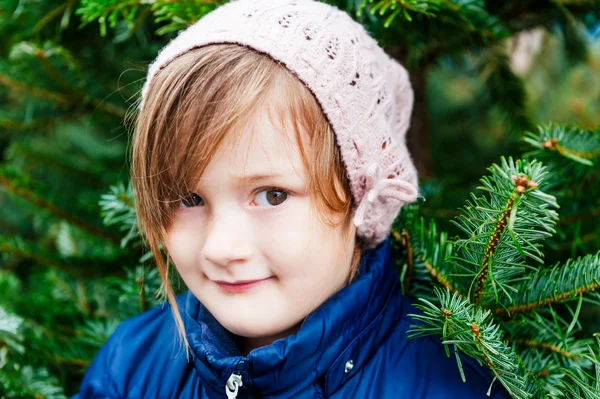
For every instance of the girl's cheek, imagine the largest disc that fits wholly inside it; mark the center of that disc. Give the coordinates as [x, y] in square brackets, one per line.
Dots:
[281, 225]
[181, 248]
[288, 216]
[285, 234]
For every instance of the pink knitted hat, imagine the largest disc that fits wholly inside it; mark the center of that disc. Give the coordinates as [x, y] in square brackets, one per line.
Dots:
[364, 93]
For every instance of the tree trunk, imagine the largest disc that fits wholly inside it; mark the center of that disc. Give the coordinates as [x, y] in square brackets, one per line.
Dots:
[417, 137]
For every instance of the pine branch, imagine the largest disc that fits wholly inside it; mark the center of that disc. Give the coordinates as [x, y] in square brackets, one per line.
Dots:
[37, 383]
[545, 339]
[18, 186]
[178, 15]
[571, 142]
[96, 332]
[558, 284]
[16, 246]
[53, 158]
[473, 332]
[34, 91]
[20, 125]
[400, 7]
[110, 11]
[140, 289]
[61, 99]
[586, 386]
[504, 229]
[117, 207]
[546, 344]
[404, 239]
[428, 252]
[463, 17]
[543, 345]
[64, 8]
[10, 333]
[507, 91]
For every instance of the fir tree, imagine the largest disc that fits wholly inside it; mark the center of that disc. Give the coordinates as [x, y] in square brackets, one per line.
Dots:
[516, 286]
[493, 297]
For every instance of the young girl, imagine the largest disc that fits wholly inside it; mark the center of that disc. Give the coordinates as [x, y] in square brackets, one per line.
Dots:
[269, 162]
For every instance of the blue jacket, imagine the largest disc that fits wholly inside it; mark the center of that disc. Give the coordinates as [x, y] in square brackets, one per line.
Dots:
[354, 346]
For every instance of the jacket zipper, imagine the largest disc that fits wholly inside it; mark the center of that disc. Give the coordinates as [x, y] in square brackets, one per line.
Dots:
[233, 384]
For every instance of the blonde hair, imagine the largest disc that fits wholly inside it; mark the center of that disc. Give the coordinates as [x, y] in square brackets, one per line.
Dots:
[196, 102]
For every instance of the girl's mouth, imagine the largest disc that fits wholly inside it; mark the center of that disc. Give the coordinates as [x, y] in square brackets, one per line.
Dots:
[241, 286]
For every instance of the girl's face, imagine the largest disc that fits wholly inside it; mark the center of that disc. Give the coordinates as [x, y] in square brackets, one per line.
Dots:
[237, 227]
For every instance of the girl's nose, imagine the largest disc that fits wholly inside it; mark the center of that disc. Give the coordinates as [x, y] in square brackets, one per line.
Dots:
[227, 241]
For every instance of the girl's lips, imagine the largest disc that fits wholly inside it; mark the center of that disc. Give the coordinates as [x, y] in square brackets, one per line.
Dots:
[241, 286]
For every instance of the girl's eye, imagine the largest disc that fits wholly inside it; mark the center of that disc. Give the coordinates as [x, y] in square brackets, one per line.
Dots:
[273, 197]
[190, 200]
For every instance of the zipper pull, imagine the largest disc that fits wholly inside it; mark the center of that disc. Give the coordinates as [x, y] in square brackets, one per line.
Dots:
[233, 384]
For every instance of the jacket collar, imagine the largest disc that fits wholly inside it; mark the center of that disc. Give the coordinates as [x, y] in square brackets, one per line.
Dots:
[349, 326]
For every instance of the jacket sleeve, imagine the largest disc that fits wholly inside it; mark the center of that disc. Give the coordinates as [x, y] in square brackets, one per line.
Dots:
[141, 352]
[500, 392]
[97, 382]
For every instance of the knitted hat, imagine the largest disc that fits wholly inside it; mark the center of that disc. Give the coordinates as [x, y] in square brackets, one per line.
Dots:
[365, 94]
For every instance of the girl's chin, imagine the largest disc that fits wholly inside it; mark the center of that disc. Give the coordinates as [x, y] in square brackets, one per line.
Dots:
[257, 331]
[252, 332]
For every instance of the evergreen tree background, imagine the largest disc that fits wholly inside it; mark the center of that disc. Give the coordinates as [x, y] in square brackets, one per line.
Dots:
[516, 79]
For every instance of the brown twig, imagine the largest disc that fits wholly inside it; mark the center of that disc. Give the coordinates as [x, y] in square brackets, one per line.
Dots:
[36, 200]
[535, 344]
[533, 305]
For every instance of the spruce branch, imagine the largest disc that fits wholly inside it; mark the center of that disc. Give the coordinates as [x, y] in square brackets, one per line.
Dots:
[545, 341]
[178, 15]
[108, 11]
[586, 386]
[43, 54]
[96, 332]
[54, 159]
[404, 239]
[133, 291]
[473, 332]
[537, 344]
[560, 283]
[60, 98]
[20, 187]
[65, 9]
[506, 89]
[469, 17]
[37, 92]
[400, 7]
[427, 255]
[31, 382]
[18, 247]
[117, 207]
[504, 229]
[20, 125]
[11, 336]
[570, 142]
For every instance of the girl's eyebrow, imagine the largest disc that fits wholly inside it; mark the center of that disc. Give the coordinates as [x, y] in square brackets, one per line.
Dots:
[257, 177]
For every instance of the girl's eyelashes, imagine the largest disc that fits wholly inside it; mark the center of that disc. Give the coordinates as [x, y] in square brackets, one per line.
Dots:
[274, 197]
[190, 200]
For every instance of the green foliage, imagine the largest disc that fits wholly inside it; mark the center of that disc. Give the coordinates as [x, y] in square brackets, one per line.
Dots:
[496, 300]
[471, 330]
[571, 142]
[73, 264]
[586, 386]
[176, 15]
[503, 229]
